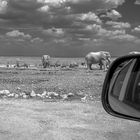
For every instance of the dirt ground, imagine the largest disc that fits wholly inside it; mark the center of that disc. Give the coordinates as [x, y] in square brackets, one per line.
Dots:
[62, 81]
[38, 120]
[41, 119]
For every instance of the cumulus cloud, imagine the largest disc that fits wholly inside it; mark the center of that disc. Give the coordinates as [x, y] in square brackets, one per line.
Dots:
[90, 16]
[54, 32]
[83, 39]
[59, 19]
[54, 13]
[44, 8]
[111, 14]
[136, 29]
[16, 33]
[126, 37]
[3, 6]
[117, 34]
[137, 2]
[59, 40]
[108, 33]
[113, 2]
[119, 25]
[37, 39]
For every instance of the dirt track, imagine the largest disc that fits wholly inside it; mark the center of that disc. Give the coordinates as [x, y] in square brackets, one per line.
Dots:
[38, 120]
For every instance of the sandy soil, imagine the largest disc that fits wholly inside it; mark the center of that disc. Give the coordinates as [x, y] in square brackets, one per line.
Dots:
[38, 120]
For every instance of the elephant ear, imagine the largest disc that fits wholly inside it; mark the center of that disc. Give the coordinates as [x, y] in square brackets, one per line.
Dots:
[107, 55]
[103, 56]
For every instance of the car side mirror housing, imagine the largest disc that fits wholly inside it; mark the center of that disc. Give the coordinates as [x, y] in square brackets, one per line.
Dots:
[121, 88]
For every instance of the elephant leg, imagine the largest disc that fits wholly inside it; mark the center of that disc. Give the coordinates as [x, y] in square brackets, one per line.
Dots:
[107, 64]
[44, 65]
[89, 66]
[100, 64]
[47, 64]
[103, 63]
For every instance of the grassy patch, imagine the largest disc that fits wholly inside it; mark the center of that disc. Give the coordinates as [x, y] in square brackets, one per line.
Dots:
[62, 81]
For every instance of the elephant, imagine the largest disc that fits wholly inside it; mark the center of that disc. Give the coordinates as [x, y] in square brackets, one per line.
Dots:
[45, 61]
[134, 52]
[103, 58]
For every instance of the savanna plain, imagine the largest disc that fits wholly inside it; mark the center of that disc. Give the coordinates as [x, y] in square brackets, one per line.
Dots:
[66, 103]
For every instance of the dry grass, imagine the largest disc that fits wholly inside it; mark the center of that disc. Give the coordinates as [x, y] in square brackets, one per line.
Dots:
[63, 81]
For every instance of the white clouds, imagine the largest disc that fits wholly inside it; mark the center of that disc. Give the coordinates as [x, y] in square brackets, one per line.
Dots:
[118, 34]
[51, 12]
[59, 40]
[124, 37]
[118, 25]
[18, 36]
[55, 3]
[36, 40]
[51, 1]
[74, 19]
[83, 39]
[106, 4]
[16, 33]
[89, 17]
[108, 33]
[136, 29]
[112, 14]
[54, 32]
[3, 6]
[137, 2]
[93, 27]
[44, 8]
[113, 2]
[116, 2]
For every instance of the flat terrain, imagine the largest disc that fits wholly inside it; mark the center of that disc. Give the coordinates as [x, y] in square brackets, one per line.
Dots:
[38, 120]
[77, 80]
[57, 119]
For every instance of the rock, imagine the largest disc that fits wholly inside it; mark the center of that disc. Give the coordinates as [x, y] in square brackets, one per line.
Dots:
[25, 96]
[64, 96]
[32, 94]
[70, 94]
[16, 95]
[84, 99]
[47, 96]
[39, 95]
[52, 94]
[18, 88]
[6, 92]
[22, 93]
[80, 93]
[44, 93]
[11, 95]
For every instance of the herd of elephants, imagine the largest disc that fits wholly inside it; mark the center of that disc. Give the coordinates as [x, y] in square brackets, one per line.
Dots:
[102, 58]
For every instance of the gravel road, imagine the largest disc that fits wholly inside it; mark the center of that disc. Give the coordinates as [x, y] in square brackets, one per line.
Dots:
[38, 120]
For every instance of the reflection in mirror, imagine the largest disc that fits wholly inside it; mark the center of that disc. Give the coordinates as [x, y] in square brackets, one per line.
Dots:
[124, 89]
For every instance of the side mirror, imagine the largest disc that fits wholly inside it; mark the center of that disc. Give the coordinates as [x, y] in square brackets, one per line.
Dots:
[121, 88]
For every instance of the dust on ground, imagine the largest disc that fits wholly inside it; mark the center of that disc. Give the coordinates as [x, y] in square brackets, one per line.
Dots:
[33, 120]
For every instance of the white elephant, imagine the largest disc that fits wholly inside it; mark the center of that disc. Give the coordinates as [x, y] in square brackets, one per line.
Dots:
[45, 61]
[102, 58]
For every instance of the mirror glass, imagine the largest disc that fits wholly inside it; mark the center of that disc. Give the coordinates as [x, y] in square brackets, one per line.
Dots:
[124, 89]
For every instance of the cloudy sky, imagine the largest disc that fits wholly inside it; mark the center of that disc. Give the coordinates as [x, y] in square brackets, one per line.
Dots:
[68, 28]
